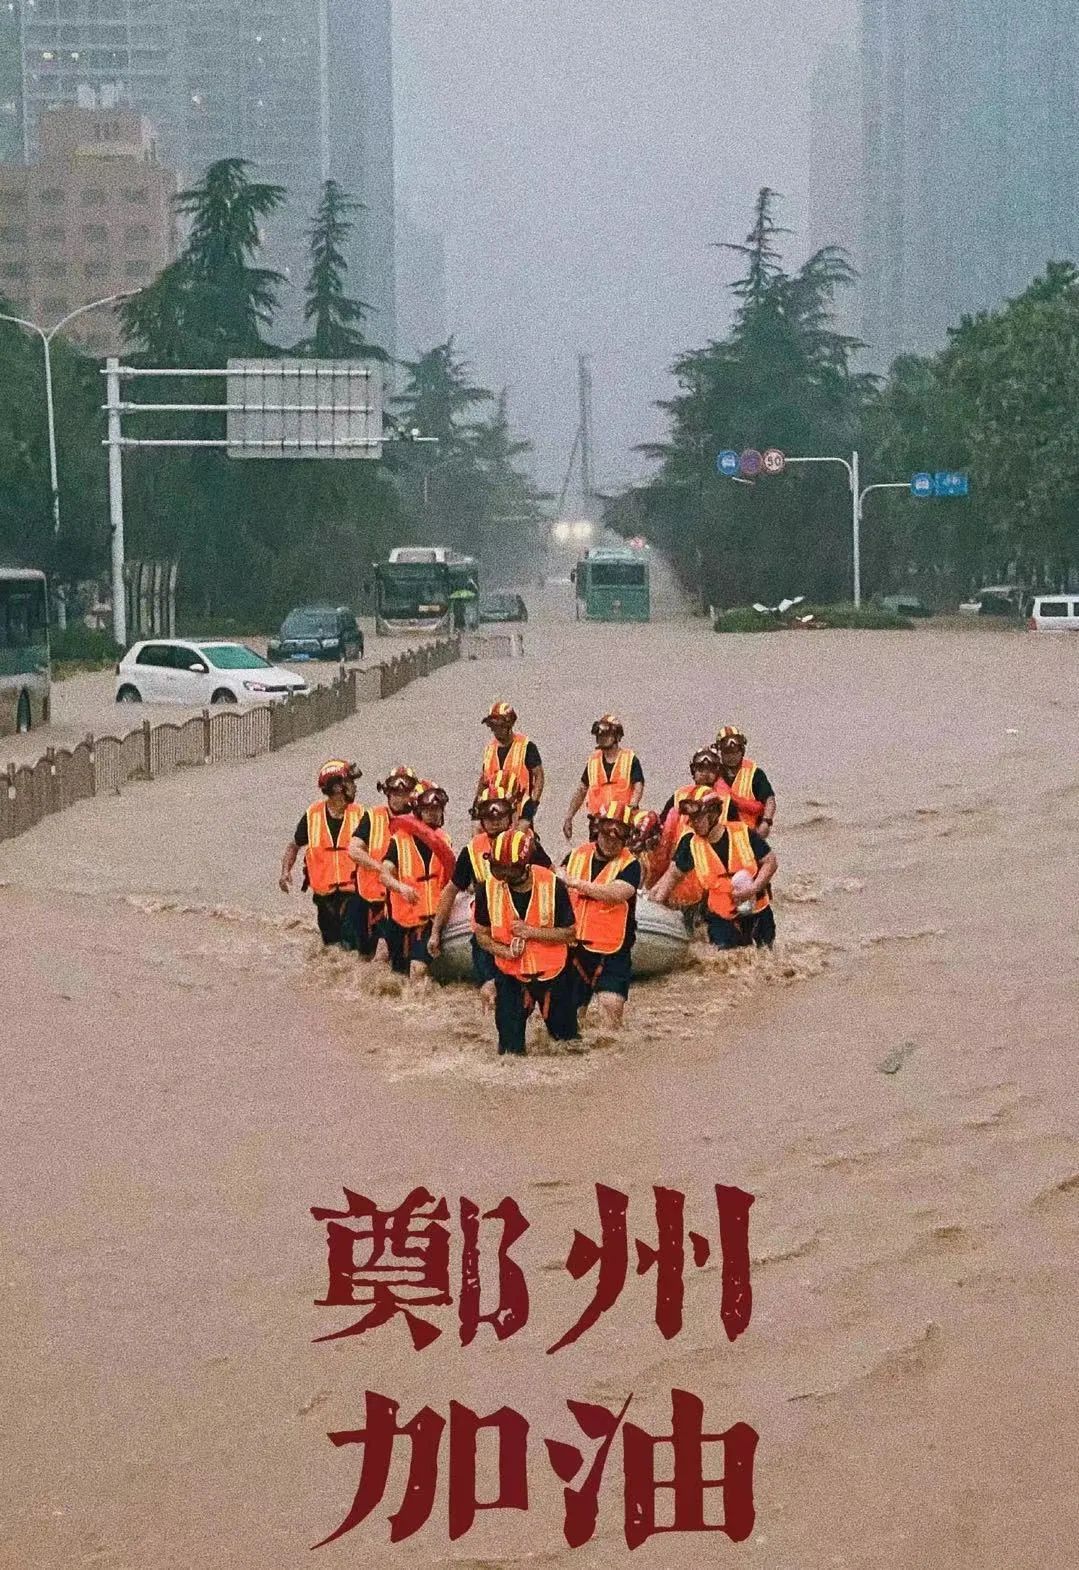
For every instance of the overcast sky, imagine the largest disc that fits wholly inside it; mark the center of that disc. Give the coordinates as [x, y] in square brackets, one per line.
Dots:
[579, 156]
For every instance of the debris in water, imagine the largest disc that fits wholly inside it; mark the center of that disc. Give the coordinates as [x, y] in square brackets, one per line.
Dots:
[895, 1060]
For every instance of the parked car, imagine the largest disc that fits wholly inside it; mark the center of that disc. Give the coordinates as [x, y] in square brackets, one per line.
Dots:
[318, 632]
[998, 599]
[905, 605]
[178, 670]
[1055, 613]
[503, 607]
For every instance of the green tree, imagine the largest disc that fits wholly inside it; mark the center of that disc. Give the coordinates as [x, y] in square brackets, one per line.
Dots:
[335, 319]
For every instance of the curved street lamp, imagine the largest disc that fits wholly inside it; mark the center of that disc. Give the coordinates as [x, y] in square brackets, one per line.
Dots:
[47, 335]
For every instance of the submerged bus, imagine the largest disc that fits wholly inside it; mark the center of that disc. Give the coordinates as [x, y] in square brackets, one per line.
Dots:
[613, 585]
[24, 650]
[426, 588]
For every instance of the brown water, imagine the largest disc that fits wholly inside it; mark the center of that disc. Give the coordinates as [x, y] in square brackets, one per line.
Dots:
[185, 1073]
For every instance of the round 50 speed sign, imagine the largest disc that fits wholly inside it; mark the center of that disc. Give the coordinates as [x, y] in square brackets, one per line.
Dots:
[774, 461]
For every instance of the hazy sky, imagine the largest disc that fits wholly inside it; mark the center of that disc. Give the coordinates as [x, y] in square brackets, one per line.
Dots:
[579, 156]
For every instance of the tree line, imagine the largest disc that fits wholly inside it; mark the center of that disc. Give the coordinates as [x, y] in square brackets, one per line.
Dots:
[254, 537]
[999, 401]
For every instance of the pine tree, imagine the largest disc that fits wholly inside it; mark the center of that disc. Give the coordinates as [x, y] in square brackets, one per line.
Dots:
[335, 319]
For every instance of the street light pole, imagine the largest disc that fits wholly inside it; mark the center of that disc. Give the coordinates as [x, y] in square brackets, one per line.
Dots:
[854, 479]
[47, 335]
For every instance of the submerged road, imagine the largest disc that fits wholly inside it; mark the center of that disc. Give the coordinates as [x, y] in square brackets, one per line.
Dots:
[185, 1074]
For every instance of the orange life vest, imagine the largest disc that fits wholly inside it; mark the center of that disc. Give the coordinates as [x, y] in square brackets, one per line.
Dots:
[369, 883]
[330, 870]
[600, 927]
[619, 788]
[716, 878]
[689, 891]
[541, 961]
[428, 881]
[478, 847]
[514, 771]
[740, 791]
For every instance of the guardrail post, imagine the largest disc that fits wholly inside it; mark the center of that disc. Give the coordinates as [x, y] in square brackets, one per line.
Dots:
[92, 755]
[207, 748]
[147, 749]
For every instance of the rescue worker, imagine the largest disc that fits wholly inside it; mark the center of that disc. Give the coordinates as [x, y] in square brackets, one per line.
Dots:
[613, 774]
[734, 867]
[704, 769]
[323, 834]
[415, 873]
[744, 783]
[495, 810]
[524, 920]
[603, 879]
[367, 848]
[513, 759]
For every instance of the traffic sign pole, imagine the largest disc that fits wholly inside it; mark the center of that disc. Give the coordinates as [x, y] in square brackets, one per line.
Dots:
[854, 479]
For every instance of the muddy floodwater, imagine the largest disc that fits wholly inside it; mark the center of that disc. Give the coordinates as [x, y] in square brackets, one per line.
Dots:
[185, 1074]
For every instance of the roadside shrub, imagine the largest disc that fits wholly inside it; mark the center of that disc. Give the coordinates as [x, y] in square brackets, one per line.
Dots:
[871, 618]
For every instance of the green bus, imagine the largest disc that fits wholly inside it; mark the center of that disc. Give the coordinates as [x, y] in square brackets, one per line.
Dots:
[426, 588]
[24, 650]
[613, 585]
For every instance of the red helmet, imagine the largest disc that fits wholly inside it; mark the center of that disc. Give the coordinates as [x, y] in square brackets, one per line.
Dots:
[705, 758]
[400, 778]
[429, 795]
[499, 795]
[337, 771]
[616, 816]
[512, 849]
[501, 711]
[702, 798]
[609, 722]
[731, 733]
[646, 828]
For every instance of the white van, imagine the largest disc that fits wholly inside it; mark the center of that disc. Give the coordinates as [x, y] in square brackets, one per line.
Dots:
[1055, 613]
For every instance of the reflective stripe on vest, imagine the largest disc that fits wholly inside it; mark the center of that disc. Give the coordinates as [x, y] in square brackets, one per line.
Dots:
[715, 878]
[542, 961]
[740, 791]
[329, 867]
[619, 788]
[514, 771]
[429, 882]
[478, 847]
[370, 884]
[600, 927]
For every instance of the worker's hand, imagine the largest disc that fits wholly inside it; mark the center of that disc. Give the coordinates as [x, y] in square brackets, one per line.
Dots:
[517, 948]
[567, 828]
[521, 929]
[655, 896]
[284, 883]
[410, 895]
[434, 945]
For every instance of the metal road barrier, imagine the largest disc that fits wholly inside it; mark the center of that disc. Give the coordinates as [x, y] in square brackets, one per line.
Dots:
[103, 765]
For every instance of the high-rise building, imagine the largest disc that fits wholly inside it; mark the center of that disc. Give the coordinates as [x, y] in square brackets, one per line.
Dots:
[302, 88]
[89, 218]
[10, 81]
[834, 187]
[421, 287]
[971, 158]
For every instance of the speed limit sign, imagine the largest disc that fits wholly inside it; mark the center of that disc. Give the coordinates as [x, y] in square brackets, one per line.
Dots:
[774, 461]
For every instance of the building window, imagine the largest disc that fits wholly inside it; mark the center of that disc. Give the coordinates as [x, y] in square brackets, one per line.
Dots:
[96, 269]
[54, 269]
[136, 194]
[51, 235]
[95, 234]
[13, 270]
[136, 235]
[12, 199]
[12, 234]
[137, 268]
[56, 307]
[93, 197]
[52, 196]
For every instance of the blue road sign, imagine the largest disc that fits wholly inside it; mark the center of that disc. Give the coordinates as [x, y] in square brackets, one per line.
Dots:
[921, 485]
[951, 483]
[751, 463]
[727, 463]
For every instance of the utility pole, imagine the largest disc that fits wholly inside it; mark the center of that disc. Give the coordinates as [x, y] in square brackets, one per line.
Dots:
[584, 395]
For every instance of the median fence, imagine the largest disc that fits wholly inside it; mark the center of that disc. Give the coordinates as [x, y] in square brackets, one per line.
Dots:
[103, 765]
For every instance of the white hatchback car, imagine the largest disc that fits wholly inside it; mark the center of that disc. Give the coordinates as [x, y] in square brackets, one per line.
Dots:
[177, 670]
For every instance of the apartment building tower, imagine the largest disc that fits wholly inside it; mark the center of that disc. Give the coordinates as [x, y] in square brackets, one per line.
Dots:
[90, 218]
[971, 181]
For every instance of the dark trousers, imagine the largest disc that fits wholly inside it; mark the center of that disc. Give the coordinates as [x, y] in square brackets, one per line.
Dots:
[514, 1002]
[484, 968]
[600, 973]
[747, 931]
[339, 918]
[406, 944]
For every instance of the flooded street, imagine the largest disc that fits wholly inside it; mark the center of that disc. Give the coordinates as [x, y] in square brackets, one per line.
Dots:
[186, 1073]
